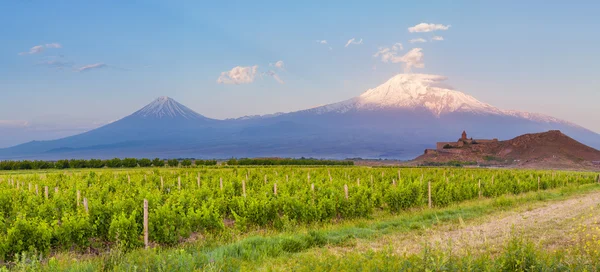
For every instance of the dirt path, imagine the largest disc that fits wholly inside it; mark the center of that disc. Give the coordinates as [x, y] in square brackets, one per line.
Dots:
[552, 224]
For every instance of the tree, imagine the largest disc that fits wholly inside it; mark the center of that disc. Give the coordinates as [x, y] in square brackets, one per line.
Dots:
[77, 163]
[95, 163]
[173, 162]
[232, 161]
[158, 162]
[62, 164]
[144, 162]
[186, 163]
[130, 162]
[114, 163]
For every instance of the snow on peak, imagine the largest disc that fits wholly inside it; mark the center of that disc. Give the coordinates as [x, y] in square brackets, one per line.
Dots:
[411, 91]
[166, 107]
[422, 91]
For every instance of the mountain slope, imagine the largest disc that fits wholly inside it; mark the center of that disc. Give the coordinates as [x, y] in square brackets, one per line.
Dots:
[164, 121]
[398, 119]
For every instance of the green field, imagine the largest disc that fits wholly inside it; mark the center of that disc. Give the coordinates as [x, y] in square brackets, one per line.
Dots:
[267, 218]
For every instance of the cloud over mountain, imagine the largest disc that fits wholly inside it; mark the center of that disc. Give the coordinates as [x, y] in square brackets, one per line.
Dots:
[424, 27]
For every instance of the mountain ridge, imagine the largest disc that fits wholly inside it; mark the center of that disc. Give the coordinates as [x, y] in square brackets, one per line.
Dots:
[396, 119]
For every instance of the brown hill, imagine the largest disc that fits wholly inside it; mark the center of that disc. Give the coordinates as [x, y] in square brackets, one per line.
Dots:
[551, 149]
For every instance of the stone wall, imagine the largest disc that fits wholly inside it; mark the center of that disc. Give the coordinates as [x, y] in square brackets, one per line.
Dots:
[483, 141]
[451, 151]
[440, 145]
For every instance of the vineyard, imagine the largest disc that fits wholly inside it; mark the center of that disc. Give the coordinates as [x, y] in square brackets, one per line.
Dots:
[54, 211]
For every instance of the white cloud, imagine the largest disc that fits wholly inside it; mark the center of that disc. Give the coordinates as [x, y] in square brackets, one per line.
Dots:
[388, 54]
[40, 48]
[353, 41]
[324, 42]
[278, 64]
[417, 40]
[13, 123]
[424, 27]
[91, 67]
[238, 75]
[275, 76]
[437, 38]
[413, 58]
[34, 50]
[53, 45]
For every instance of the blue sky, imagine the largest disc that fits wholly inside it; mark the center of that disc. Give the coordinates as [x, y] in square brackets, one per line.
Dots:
[102, 60]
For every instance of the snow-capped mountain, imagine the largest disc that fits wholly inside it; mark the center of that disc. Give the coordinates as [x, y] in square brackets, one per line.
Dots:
[422, 91]
[167, 108]
[412, 91]
[397, 119]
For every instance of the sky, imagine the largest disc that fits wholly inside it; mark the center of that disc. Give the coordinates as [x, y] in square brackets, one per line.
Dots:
[70, 66]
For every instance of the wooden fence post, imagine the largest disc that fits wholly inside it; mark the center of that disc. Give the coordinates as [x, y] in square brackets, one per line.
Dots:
[287, 179]
[429, 192]
[78, 197]
[221, 183]
[29, 188]
[85, 205]
[346, 191]
[399, 177]
[479, 188]
[198, 180]
[36, 190]
[265, 179]
[358, 181]
[394, 182]
[146, 223]
[312, 187]
[275, 188]
[46, 191]
[244, 187]
[162, 183]
[128, 179]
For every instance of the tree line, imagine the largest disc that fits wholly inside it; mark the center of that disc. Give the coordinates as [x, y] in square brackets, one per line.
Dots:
[96, 163]
[281, 161]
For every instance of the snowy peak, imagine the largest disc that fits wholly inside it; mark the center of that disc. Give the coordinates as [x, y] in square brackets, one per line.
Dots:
[412, 91]
[428, 92]
[167, 108]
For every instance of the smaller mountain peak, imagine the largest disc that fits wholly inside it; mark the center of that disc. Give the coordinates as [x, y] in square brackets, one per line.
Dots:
[166, 107]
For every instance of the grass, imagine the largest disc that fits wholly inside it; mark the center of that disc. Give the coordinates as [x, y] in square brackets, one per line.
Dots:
[306, 247]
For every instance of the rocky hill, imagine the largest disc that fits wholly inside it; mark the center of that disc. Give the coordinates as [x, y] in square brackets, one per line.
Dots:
[551, 149]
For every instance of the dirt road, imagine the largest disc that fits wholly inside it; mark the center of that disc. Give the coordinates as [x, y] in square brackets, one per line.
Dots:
[552, 224]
